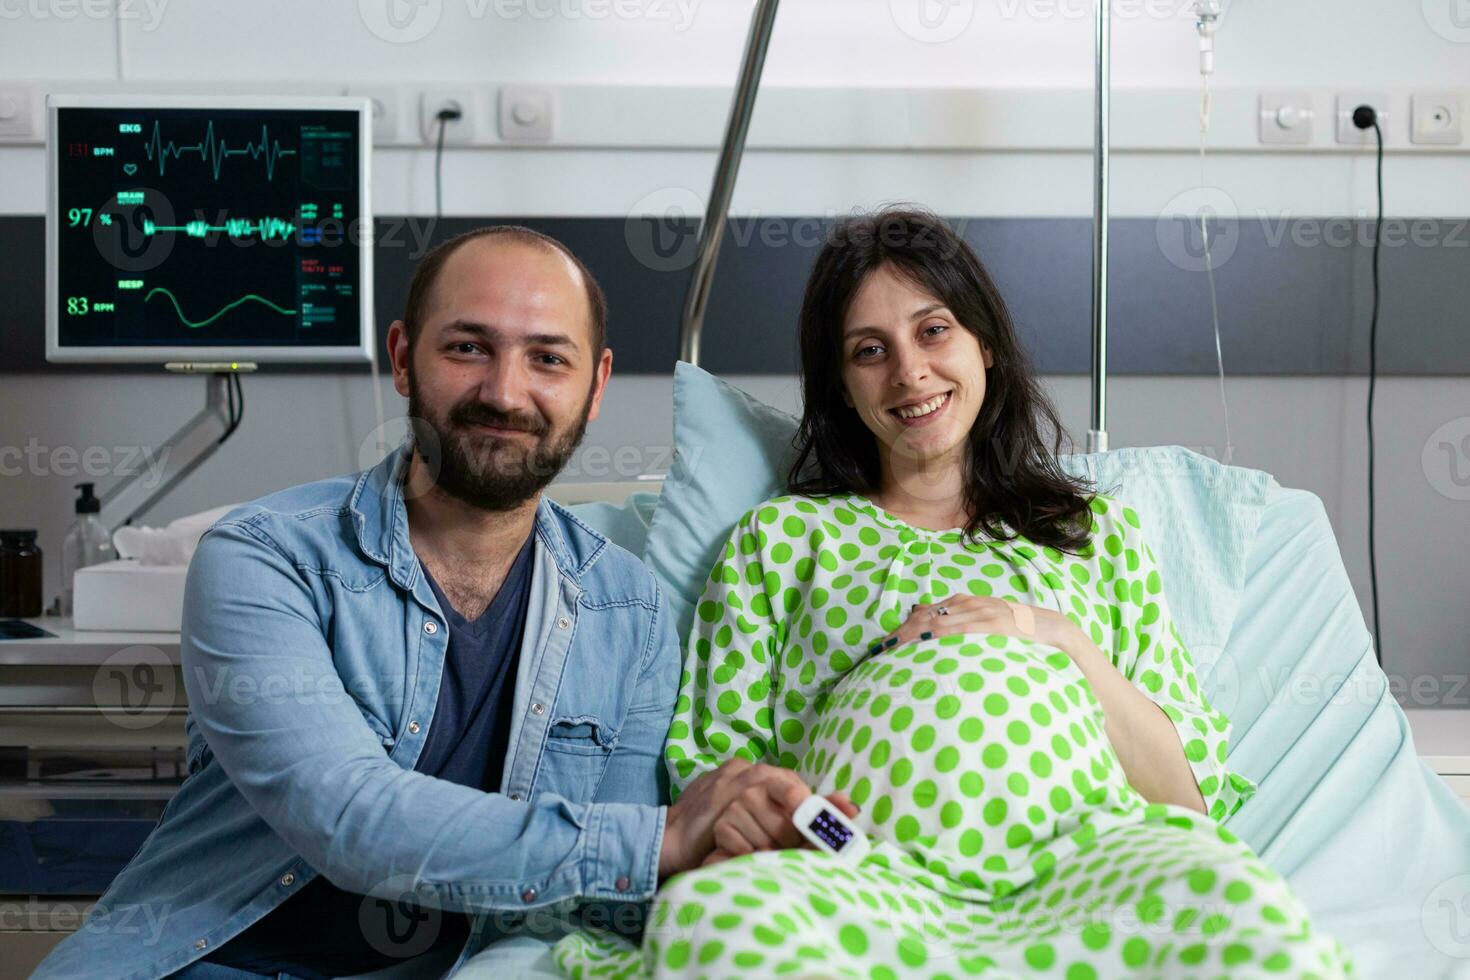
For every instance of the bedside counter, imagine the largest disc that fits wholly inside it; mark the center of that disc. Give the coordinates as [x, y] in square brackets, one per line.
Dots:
[1442, 739]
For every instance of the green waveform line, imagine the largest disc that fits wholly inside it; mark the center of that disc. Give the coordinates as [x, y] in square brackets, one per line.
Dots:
[268, 228]
[215, 152]
[222, 311]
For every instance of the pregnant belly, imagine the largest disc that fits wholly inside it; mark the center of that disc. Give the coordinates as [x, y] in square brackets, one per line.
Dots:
[970, 752]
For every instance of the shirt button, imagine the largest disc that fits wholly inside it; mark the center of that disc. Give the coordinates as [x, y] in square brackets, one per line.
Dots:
[413, 728]
[563, 623]
[538, 708]
[431, 627]
[201, 943]
[623, 884]
[528, 896]
[288, 879]
[516, 797]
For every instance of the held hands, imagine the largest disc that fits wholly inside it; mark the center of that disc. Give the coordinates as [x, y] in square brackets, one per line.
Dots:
[737, 809]
[981, 614]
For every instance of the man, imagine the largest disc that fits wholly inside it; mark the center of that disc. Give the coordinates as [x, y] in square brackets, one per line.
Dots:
[424, 700]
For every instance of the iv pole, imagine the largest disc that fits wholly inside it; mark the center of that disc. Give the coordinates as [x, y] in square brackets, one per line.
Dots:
[728, 166]
[713, 229]
[1097, 436]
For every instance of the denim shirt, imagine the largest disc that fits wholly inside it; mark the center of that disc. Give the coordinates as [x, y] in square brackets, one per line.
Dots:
[312, 649]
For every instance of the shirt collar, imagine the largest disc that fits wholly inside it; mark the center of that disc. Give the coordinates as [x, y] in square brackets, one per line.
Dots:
[380, 520]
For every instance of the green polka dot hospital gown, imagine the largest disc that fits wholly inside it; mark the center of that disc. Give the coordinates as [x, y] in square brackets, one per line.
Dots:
[1006, 840]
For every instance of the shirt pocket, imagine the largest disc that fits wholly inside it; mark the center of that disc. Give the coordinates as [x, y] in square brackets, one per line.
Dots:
[577, 751]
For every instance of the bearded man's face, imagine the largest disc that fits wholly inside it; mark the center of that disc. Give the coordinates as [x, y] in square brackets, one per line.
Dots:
[502, 378]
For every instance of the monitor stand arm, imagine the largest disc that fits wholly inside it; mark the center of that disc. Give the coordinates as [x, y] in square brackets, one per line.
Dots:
[179, 456]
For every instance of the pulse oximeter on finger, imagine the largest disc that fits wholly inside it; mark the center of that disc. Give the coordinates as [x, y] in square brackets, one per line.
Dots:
[829, 829]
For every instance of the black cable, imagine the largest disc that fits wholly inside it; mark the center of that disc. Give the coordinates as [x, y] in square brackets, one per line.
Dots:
[235, 405]
[1372, 382]
[1363, 118]
[240, 395]
[444, 116]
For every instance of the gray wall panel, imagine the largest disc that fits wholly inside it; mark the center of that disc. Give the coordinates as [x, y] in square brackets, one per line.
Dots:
[1293, 294]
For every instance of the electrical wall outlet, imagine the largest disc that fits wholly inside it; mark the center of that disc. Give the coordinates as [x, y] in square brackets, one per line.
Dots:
[1435, 118]
[527, 114]
[20, 118]
[1349, 134]
[385, 110]
[431, 101]
[1286, 117]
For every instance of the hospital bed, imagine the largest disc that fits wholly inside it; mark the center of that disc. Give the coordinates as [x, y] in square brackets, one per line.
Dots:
[1376, 844]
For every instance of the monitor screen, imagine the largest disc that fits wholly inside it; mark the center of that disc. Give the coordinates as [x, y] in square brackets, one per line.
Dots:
[830, 829]
[208, 229]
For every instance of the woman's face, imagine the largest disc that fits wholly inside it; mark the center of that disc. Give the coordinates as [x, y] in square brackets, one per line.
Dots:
[914, 375]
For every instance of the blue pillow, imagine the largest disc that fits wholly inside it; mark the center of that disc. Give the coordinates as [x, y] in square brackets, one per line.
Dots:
[731, 452]
[625, 525]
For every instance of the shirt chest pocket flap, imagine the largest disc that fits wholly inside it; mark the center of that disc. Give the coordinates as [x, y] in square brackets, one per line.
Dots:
[584, 735]
[578, 747]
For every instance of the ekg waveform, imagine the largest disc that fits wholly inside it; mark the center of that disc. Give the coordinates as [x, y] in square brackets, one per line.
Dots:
[215, 151]
[196, 324]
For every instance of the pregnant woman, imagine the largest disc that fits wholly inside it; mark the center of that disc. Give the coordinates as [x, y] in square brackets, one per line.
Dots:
[941, 628]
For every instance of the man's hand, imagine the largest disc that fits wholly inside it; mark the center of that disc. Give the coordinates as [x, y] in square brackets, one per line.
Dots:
[759, 820]
[738, 808]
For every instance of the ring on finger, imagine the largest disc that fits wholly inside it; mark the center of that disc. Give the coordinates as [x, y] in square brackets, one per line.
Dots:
[941, 610]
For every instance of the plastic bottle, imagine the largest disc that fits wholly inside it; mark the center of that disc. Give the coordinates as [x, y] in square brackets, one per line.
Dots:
[87, 543]
[20, 574]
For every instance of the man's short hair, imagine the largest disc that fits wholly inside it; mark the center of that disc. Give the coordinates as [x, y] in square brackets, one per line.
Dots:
[426, 275]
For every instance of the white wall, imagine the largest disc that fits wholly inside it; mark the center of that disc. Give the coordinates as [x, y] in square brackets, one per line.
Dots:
[1308, 432]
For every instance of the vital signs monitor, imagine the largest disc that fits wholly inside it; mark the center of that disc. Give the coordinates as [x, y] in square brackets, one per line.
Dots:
[208, 228]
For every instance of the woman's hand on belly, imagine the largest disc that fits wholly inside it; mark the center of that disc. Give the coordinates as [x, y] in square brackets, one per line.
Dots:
[982, 614]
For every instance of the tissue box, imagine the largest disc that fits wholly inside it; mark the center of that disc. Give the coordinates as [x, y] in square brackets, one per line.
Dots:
[126, 595]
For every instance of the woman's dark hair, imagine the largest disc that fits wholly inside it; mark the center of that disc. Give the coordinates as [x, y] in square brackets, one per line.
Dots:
[1013, 476]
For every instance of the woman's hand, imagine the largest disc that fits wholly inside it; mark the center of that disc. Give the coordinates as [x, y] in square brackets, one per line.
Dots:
[759, 819]
[981, 614]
